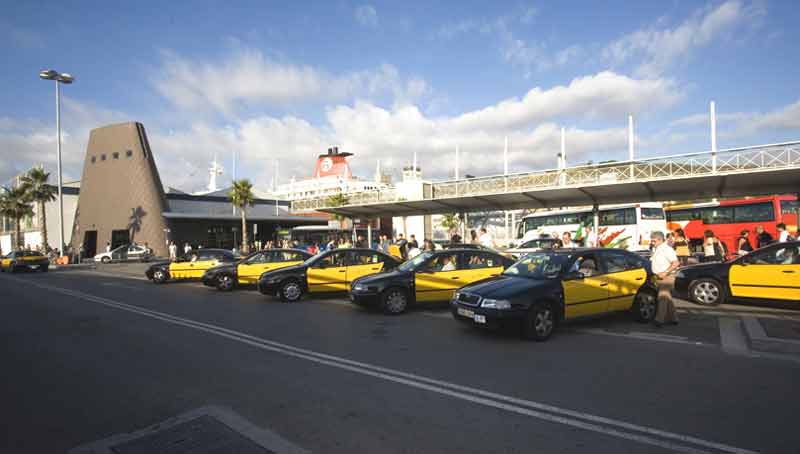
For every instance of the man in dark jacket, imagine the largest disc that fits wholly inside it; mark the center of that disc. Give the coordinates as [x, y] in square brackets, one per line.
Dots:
[763, 237]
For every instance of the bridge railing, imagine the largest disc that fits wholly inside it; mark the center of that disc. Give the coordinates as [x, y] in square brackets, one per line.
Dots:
[747, 159]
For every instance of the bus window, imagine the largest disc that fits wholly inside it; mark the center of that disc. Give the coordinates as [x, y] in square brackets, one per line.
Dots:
[652, 213]
[754, 212]
[718, 215]
[789, 206]
[624, 216]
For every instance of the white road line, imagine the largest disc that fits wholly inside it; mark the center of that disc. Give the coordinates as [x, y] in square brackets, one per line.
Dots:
[732, 336]
[599, 424]
[114, 284]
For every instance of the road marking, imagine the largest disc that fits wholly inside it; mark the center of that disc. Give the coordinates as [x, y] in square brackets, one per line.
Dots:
[114, 284]
[642, 336]
[628, 431]
[732, 336]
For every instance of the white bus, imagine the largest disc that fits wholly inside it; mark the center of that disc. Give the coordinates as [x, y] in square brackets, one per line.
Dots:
[621, 226]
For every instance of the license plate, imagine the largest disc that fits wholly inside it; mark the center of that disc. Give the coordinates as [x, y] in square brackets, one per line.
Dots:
[479, 319]
[466, 312]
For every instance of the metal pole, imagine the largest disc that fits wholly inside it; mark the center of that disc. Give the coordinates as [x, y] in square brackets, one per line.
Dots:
[369, 233]
[596, 222]
[457, 163]
[505, 165]
[562, 159]
[60, 179]
[630, 142]
[713, 137]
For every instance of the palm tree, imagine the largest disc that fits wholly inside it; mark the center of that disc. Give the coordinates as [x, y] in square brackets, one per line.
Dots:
[337, 200]
[15, 204]
[451, 222]
[34, 183]
[241, 197]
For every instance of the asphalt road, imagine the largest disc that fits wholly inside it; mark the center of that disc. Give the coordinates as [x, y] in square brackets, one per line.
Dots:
[87, 356]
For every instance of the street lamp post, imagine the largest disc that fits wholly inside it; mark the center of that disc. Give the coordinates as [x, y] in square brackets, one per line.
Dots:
[59, 78]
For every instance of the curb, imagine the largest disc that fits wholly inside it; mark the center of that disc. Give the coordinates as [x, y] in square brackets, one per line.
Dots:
[759, 340]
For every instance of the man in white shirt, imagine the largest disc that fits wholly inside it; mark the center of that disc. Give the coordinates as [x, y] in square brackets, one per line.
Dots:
[486, 239]
[566, 241]
[783, 234]
[663, 261]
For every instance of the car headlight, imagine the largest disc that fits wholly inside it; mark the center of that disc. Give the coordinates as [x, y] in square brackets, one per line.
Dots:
[680, 274]
[496, 304]
[359, 287]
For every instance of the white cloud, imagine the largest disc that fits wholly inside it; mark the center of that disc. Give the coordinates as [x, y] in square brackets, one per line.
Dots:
[366, 15]
[248, 78]
[658, 48]
[375, 132]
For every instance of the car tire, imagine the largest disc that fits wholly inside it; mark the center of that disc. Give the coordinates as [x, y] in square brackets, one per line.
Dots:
[225, 283]
[707, 292]
[105, 259]
[394, 301]
[540, 322]
[290, 291]
[160, 276]
[645, 306]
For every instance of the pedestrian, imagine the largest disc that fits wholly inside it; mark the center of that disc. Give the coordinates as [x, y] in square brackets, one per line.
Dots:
[81, 251]
[412, 242]
[361, 242]
[743, 245]
[108, 246]
[712, 251]
[187, 248]
[486, 239]
[763, 237]
[455, 239]
[663, 262]
[566, 241]
[427, 245]
[173, 251]
[783, 234]
[681, 246]
[313, 249]
[473, 237]
[402, 244]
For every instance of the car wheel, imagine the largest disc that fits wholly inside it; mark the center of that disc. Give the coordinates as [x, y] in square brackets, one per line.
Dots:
[707, 292]
[225, 283]
[540, 322]
[644, 306]
[290, 291]
[394, 301]
[159, 276]
[105, 259]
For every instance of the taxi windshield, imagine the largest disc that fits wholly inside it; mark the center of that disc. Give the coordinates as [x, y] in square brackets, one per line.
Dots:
[413, 264]
[539, 265]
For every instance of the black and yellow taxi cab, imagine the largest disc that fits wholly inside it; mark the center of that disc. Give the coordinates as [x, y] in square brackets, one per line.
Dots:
[190, 266]
[247, 271]
[770, 274]
[328, 272]
[547, 287]
[24, 260]
[430, 276]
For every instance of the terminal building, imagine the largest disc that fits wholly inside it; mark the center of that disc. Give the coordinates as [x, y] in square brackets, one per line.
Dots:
[122, 200]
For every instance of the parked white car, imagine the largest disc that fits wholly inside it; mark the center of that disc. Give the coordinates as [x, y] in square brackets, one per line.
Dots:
[534, 245]
[124, 253]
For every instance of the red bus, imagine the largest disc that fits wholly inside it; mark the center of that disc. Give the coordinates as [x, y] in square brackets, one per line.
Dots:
[727, 218]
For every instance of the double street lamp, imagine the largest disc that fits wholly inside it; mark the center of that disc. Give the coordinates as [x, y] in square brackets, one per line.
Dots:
[59, 78]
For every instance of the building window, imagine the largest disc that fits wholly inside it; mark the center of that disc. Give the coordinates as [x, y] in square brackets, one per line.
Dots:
[115, 154]
[128, 153]
[94, 158]
[103, 157]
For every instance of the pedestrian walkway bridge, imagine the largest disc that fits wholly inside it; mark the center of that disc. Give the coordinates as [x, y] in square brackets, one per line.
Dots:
[757, 170]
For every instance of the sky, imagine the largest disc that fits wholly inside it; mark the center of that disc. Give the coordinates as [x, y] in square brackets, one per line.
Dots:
[280, 82]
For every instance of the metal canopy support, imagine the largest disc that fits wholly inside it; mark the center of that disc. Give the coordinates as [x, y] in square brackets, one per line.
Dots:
[713, 112]
[596, 225]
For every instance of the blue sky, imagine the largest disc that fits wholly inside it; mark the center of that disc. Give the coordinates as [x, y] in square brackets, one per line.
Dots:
[283, 81]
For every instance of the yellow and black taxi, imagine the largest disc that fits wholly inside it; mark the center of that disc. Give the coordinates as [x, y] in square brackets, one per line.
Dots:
[430, 276]
[191, 266]
[24, 260]
[247, 271]
[770, 274]
[329, 272]
[547, 287]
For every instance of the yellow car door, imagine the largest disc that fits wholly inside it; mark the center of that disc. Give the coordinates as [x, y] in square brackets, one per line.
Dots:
[626, 275]
[362, 263]
[586, 293]
[480, 265]
[329, 274]
[769, 273]
[439, 278]
[252, 268]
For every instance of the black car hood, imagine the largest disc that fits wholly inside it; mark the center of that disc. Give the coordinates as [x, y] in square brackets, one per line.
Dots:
[286, 270]
[504, 287]
[222, 267]
[704, 267]
[383, 276]
[159, 264]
